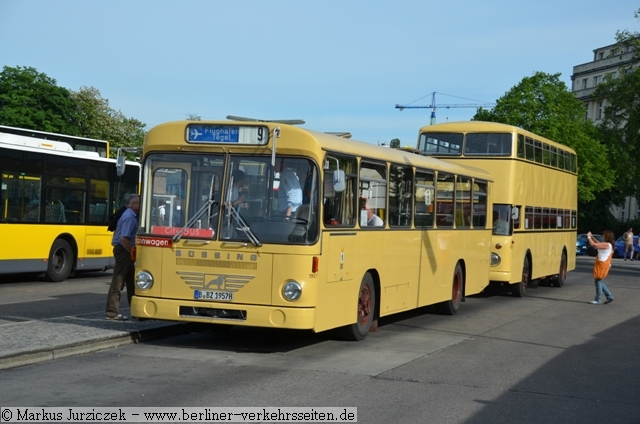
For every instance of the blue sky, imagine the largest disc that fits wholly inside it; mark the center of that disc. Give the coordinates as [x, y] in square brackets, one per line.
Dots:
[339, 65]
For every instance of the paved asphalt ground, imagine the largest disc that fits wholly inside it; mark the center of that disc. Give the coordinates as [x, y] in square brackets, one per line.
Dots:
[43, 339]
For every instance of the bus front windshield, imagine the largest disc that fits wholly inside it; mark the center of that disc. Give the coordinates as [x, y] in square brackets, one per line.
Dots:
[240, 198]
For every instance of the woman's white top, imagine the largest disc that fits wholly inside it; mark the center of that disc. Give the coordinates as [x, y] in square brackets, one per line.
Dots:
[603, 254]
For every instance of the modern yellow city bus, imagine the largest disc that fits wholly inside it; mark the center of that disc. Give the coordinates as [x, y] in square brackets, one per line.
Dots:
[317, 231]
[55, 203]
[535, 196]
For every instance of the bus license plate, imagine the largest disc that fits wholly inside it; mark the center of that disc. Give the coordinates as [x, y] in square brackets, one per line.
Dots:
[212, 295]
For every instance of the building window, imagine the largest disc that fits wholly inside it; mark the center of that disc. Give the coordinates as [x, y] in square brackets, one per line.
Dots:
[600, 55]
[600, 110]
[584, 83]
[597, 80]
[586, 110]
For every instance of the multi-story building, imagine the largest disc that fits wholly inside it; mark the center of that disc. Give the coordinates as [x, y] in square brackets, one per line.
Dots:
[606, 60]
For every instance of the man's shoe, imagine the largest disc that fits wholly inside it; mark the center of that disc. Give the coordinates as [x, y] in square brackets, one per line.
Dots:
[608, 301]
[116, 318]
[593, 302]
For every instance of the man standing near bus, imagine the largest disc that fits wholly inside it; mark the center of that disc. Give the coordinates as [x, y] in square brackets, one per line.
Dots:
[124, 238]
[628, 243]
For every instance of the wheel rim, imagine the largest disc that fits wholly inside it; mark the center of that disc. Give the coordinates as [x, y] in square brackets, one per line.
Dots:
[364, 305]
[563, 268]
[59, 260]
[456, 296]
[525, 275]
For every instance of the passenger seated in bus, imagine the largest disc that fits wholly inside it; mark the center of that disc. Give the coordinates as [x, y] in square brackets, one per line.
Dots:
[373, 220]
[500, 225]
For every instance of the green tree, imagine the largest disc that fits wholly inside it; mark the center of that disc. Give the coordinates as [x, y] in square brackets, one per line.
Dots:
[544, 105]
[30, 99]
[99, 120]
[395, 143]
[193, 117]
[620, 127]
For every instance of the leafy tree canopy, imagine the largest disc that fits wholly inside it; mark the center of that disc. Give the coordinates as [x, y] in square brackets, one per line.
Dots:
[544, 105]
[620, 127]
[395, 143]
[98, 120]
[30, 99]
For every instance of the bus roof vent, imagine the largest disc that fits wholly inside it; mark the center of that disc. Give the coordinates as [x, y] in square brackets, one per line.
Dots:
[277, 121]
[339, 134]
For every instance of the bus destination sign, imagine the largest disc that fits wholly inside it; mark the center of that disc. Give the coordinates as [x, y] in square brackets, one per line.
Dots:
[227, 134]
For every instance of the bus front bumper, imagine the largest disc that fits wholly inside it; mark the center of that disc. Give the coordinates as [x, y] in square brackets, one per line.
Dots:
[501, 277]
[223, 313]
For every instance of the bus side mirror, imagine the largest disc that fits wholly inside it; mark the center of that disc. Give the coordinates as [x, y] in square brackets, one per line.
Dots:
[338, 180]
[120, 164]
[515, 213]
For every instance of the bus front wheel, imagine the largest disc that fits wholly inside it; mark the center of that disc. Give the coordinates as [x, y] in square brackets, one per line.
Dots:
[451, 307]
[365, 311]
[60, 261]
[520, 289]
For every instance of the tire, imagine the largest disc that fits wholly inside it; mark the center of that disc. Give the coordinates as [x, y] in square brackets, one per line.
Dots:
[450, 307]
[365, 309]
[562, 272]
[520, 289]
[60, 262]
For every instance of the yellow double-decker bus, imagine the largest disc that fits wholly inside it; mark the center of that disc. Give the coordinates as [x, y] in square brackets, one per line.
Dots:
[535, 196]
[55, 202]
[272, 225]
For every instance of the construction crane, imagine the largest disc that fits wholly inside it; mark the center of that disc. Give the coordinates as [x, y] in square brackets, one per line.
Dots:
[433, 106]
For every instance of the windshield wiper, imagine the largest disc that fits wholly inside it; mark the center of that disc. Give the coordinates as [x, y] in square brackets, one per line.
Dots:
[243, 226]
[206, 207]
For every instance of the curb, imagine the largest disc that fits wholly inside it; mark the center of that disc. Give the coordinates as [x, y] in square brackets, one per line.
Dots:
[93, 345]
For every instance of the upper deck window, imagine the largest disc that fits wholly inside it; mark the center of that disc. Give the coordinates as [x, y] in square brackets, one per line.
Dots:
[488, 144]
[441, 143]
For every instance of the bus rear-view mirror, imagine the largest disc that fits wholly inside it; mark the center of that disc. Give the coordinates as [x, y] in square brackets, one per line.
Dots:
[338, 180]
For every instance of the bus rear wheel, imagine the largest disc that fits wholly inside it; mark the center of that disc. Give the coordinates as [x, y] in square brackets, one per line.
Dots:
[60, 261]
[562, 272]
[365, 311]
[520, 289]
[451, 307]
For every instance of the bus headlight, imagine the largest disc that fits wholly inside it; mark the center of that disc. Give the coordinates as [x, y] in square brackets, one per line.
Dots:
[144, 280]
[495, 259]
[292, 291]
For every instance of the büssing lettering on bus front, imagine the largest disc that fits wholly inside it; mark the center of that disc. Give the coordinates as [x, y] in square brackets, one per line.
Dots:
[217, 255]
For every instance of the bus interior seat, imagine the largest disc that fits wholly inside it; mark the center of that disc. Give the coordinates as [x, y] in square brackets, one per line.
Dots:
[54, 212]
[98, 212]
[32, 215]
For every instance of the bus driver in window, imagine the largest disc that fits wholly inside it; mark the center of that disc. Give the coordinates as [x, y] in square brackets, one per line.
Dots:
[237, 197]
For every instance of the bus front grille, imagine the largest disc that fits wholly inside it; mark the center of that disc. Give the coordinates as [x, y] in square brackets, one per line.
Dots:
[226, 314]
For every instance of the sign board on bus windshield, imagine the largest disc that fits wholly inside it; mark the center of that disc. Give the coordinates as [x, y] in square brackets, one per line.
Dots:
[227, 134]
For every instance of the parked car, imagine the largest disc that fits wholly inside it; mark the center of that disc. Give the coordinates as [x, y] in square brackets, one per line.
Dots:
[583, 247]
[618, 252]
